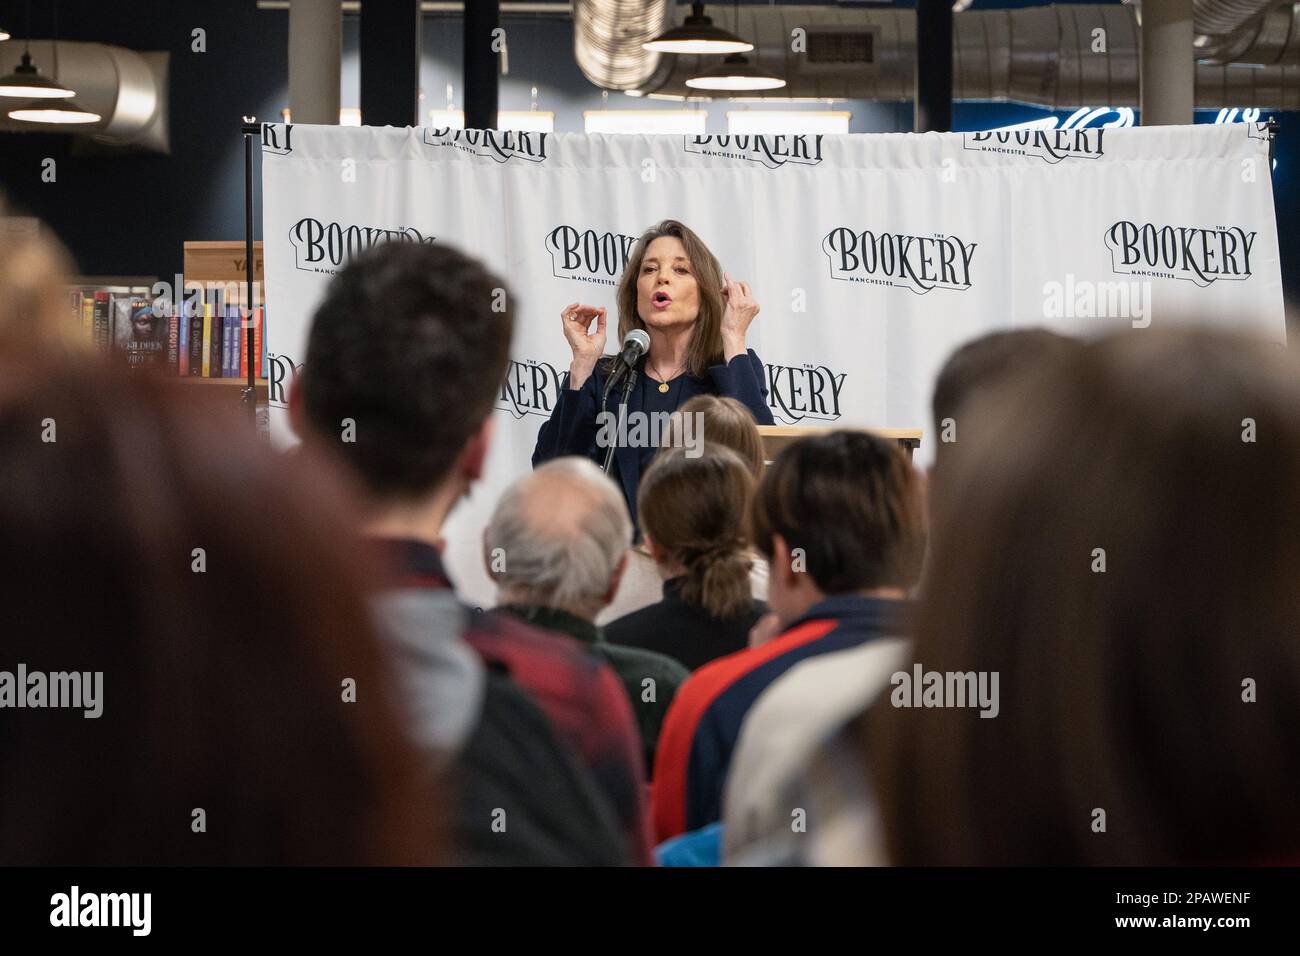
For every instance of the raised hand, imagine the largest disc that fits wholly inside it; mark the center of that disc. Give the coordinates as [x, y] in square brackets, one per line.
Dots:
[587, 346]
[738, 314]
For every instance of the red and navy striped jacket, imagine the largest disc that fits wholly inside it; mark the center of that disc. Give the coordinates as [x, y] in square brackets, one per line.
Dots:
[703, 725]
[579, 693]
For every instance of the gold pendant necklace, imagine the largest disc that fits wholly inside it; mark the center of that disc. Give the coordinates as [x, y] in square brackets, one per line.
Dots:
[663, 386]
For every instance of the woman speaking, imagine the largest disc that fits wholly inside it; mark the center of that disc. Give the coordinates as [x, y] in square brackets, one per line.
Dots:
[696, 318]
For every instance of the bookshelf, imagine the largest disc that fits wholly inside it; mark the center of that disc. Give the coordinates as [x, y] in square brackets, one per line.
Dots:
[220, 264]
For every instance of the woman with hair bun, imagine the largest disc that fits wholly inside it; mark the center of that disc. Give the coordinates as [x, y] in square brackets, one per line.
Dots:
[694, 517]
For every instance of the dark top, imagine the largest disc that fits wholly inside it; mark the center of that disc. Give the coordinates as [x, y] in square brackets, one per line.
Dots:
[688, 634]
[514, 768]
[633, 666]
[700, 735]
[653, 402]
[575, 689]
[573, 428]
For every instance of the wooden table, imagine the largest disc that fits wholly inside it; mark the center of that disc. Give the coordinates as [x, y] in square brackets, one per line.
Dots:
[776, 437]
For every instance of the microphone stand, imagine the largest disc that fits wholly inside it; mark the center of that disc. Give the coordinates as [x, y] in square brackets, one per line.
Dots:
[628, 382]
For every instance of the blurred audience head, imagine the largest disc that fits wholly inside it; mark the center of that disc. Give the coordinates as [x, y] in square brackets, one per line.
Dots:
[718, 421]
[34, 274]
[835, 514]
[1127, 566]
[409, 347]
[979, 365]
[558, 538]
[221, 600]
[694, 515]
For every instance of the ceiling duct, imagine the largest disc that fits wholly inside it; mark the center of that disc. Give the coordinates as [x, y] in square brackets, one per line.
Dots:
[1041, 56]
[607, 40]
[1272, 36]
[126, 88]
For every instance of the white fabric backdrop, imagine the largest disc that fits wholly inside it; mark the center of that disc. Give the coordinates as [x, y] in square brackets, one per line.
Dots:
[967, 233]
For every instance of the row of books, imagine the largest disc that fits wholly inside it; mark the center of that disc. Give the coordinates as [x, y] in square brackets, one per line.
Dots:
[211, 341]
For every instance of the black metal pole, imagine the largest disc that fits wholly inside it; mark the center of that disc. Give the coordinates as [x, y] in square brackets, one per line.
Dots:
[249, 397]
[933, 103]
[481, 74]
[622, 410]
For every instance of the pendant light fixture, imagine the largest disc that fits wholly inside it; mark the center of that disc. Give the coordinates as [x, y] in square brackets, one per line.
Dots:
[735, 73]
[63, 112]
[49, 108]
[697, 34]
[26, 81]
[4, 34]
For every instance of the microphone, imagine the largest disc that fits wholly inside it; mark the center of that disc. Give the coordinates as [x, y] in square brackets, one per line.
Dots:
[635, 344]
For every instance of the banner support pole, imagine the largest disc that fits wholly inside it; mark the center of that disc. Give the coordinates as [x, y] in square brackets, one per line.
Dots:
[248, 397]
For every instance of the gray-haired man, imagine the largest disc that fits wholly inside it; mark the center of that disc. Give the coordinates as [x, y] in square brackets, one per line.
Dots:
[556, 547]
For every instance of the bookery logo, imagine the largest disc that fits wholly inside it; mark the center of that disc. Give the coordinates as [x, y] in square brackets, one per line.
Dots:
[796, 392]
[499, 145]
[281, 371]
[1199, 255]
[771, 151]
[916, 263]
[587, 255]
[277, 138]
[530, 388]
[328, 246]
[1049, 145]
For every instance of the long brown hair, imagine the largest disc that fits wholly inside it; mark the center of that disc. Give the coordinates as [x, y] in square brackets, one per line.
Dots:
[221, 598]
[706, 340]
[694, 510]
[724, 421]
[1126, 562]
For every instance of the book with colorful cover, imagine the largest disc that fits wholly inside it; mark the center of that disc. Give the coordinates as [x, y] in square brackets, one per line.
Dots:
[225, 343]
[207, 340]
[236, 321]
[196, 340]
[140, 336]
[88, 314]
[102, 328]
[173, 341]
[182, 340]
[228, 354]
[259, 320]
[244, 332]
[75, 298]
[216, 331]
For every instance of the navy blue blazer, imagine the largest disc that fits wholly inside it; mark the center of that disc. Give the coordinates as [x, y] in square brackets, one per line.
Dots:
[572, 428]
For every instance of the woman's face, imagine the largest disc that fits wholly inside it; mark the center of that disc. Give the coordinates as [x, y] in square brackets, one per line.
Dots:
[667, 293]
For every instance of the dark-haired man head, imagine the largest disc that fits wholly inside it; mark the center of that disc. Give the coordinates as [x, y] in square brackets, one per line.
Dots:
[839, 518]
[980, 364]
[404, 360]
